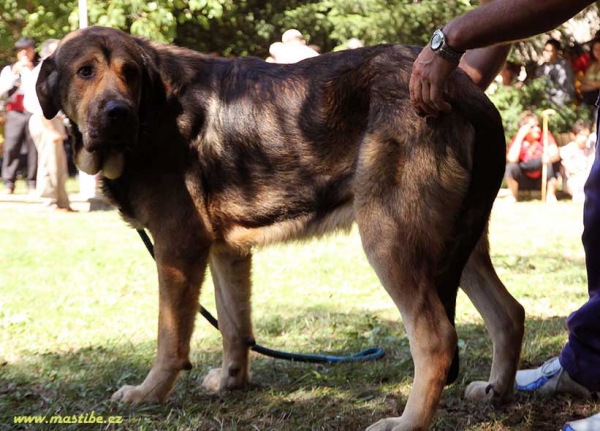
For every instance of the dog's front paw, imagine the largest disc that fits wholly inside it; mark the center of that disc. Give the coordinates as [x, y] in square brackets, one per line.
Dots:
[384, 425]
[218, 381]
[485, 391]
[135, 395]
[212, 381]
[393, 424]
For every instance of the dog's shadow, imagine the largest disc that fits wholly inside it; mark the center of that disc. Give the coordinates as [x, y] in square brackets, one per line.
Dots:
[286, 395]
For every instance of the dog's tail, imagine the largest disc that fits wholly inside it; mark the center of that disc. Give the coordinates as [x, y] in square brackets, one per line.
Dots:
[487, 170]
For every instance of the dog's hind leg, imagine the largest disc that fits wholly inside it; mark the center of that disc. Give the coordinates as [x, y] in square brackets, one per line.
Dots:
[402, 209]
[504, 318]
[231, 277]
[180, 274]
[409, 279]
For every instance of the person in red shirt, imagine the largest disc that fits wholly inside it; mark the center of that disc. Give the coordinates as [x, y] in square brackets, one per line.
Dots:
[525, 158]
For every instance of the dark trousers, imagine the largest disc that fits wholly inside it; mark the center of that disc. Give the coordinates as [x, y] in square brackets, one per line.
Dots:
[16, 134]
[581, 355]
[516, 171]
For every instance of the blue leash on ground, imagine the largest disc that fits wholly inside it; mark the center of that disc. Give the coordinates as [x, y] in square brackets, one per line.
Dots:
[369, 354]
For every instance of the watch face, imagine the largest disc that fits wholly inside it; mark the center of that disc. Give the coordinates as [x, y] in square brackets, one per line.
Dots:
[437, 40]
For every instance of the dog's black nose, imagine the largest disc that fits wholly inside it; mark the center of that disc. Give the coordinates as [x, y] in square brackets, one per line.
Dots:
[117, 110]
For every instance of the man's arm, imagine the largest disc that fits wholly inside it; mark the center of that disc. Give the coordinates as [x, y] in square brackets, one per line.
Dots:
[508, 20]
[484, 64]
[497, 22]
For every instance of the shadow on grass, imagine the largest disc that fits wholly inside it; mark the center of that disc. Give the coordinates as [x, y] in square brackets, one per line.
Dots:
[525, 264]
[285, 395]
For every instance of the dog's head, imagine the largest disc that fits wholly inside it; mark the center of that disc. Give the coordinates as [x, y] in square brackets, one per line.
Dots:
[96, 77]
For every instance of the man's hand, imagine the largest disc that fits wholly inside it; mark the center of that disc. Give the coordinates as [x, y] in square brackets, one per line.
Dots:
[21, 64]
[17, 67]
[428, 81]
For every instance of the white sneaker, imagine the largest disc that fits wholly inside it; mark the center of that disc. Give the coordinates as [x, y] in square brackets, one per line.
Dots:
[550, 378]
[588, 424]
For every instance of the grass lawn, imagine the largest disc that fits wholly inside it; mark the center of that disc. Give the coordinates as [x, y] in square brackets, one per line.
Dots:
[78, 320]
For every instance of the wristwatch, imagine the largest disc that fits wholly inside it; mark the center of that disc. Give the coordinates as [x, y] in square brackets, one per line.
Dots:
[440, 47]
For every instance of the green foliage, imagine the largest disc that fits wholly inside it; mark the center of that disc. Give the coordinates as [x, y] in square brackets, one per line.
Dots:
[511, 101]
[158, 20]
[41, 20]
[375, 21]
[245, 27]
[242, 27]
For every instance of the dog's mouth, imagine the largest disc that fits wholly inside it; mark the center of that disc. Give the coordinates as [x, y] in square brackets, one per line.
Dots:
[94, 153]
[110, 130]
[111, 163]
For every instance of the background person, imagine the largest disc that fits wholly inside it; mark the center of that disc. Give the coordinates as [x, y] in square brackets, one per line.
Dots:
[559, 72]
[291, 49]
[577, 158]
[590, 84]
[14, 82]
[525, 158]
[354, 43]
[497, 22]
[49, 137]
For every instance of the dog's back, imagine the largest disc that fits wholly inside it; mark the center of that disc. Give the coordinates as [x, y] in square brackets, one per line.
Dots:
[281, 143]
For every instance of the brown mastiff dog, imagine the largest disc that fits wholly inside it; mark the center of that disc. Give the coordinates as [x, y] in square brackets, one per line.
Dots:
[217, 156]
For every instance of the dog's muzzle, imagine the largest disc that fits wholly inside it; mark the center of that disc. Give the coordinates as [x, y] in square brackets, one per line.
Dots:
[118, 114]
[112, 128]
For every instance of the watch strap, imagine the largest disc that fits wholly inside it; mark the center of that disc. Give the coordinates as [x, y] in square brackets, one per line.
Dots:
[449, 54]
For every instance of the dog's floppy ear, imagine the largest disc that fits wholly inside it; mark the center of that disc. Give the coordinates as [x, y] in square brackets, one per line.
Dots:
[46, 88]
[153, 92]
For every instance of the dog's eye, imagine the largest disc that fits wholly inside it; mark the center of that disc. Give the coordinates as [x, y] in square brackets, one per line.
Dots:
[129, 72]
[86, 71]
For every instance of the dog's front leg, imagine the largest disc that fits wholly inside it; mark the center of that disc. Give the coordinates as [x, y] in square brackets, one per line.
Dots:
[231, 277]
[180, 273]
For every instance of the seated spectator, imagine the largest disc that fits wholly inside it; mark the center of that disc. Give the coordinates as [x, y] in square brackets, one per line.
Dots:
[577, 159]
[559, 73]
[525, 158]
[291, 49]
[590, 84]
